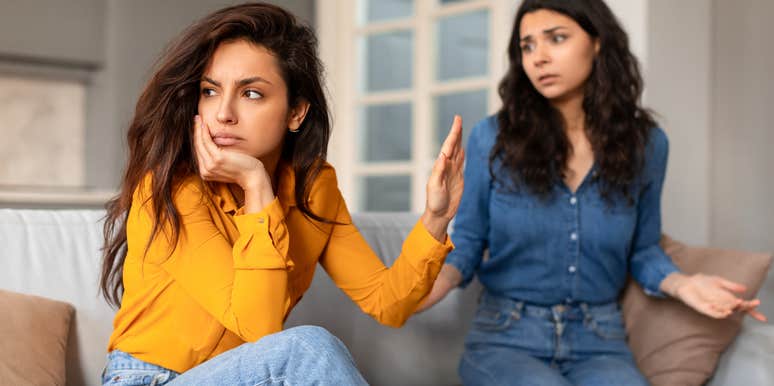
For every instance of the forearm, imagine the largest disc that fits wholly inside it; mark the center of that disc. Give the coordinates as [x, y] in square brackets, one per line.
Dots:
[448, 279]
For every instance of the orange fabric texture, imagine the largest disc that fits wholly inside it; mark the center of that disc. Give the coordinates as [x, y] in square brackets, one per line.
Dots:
[233, 277]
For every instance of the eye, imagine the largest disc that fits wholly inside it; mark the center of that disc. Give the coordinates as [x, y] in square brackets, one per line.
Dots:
[527, 47]
[207, 92]
[559, 38]
[252, 94]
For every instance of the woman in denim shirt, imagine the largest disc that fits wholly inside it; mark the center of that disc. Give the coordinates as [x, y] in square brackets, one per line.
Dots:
[562, 187]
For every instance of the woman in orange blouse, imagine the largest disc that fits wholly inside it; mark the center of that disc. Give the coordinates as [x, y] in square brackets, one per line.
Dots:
[227, 205]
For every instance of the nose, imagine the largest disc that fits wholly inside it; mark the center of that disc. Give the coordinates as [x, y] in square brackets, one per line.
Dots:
[226, 112]
[541, 55]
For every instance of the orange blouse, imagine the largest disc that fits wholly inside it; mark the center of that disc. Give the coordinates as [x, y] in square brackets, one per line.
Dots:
[233, 278]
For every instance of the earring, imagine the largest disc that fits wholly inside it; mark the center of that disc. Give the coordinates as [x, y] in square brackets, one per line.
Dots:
[294, 131]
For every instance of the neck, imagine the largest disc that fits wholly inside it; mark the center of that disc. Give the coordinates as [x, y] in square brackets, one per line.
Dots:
[571, 109]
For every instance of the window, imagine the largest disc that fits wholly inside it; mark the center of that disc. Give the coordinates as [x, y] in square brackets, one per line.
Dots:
[398, 71]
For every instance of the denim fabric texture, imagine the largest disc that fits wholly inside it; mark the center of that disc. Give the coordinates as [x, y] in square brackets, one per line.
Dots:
[571, 247]
[520, 344]
[305, 355]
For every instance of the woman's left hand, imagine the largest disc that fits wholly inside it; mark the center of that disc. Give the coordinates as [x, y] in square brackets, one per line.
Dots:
[713, 296]
[444, 187]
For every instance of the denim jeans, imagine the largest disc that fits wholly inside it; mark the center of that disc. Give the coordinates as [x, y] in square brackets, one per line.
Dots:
[298, 356]
[513, 343]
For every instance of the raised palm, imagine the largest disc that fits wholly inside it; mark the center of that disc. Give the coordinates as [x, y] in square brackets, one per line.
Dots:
[446, 182]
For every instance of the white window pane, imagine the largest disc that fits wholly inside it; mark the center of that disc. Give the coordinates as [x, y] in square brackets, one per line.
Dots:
[380, 10]
[470, 105]
[463, 45]
[385, 193]
[387, 61]
[385, 132]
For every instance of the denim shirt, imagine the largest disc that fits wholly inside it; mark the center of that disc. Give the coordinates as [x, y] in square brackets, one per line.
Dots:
[572, 247]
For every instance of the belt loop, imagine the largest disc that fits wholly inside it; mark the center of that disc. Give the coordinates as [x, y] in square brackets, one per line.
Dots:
[517, 311]
[587, 317]
[557, 312]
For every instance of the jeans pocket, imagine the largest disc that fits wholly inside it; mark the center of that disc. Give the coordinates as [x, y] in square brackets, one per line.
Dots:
[491, 319]
[135, 377]
[609, 327]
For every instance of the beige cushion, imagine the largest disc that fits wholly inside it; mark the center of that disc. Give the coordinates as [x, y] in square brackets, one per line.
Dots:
[672, 343]
[33, 332]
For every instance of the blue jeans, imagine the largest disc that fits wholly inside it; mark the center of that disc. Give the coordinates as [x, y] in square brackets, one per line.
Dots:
[298, 356]
[513, 343]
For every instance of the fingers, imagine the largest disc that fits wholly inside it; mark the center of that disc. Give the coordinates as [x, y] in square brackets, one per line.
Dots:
[206, 149]
[452, 144]
[439, 170]
[730, 285]
[198, 146]
[206, 138]
[757, 315]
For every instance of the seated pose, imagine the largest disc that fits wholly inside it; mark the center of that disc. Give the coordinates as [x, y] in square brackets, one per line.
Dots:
[563, 189]
[226, 207]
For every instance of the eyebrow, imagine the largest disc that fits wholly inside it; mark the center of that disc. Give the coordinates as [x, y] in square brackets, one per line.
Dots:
[545, 32]
[239, 83]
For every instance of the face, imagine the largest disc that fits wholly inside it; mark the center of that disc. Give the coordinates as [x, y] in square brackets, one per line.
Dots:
[557, 54]
[244, 100]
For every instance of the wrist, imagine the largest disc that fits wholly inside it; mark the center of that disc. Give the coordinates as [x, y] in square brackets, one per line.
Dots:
[673, 283]
[435, 225]
[258, 194]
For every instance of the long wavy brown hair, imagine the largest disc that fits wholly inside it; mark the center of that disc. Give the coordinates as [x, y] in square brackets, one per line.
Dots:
[160, 134]
[532, 144]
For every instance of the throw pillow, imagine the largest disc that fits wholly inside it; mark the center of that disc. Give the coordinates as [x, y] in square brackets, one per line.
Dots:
[33, 332]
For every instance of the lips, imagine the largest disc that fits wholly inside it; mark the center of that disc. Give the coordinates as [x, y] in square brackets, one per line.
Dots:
[548, 78]
[223, 139]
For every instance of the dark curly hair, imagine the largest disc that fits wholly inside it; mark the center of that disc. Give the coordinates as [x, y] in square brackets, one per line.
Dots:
[532, 144]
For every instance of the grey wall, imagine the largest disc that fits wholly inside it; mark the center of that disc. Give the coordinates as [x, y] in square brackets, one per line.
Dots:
[111, 45]
[51, 30]
[742, 137]
[678, 74]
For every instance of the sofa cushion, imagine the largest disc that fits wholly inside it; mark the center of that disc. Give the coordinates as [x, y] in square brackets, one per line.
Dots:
[673, 344]
[34, 333]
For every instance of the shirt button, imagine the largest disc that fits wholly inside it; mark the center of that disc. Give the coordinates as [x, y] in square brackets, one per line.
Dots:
[572, 269]
[573, 201]
[260, 220]
[573, 236]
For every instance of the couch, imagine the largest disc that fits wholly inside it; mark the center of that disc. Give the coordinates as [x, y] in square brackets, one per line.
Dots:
[56, 254]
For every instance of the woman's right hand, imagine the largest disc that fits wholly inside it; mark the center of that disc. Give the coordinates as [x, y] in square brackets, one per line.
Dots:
[233, 167]
[449, 278]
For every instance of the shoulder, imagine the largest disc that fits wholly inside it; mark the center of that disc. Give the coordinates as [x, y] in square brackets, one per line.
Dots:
[657, 148]
[324, 196]
[656, 154]
[658, 141]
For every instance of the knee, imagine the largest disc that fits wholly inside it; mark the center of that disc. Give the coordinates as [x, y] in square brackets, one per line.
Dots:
[315, 337]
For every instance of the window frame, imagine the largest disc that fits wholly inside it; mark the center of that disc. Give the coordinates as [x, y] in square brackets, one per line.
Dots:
[338, 31]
